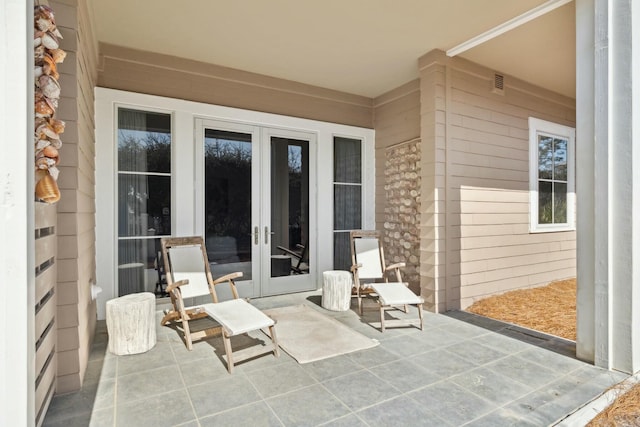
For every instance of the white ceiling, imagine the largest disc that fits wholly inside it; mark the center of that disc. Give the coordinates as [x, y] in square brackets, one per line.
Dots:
[364, 47]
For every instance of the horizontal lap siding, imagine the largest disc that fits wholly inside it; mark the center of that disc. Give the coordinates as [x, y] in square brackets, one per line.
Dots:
[489, 247]
[76, 311]
[162, 75]
[396, 120]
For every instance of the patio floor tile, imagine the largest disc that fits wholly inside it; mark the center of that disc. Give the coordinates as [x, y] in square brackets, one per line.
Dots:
[307, 407]
[443, 363]
[491, 385]
[453, 403]
[147, 383]
[361, 389]
[501, 418]
[350, 420]
[388, 414]
[334, 367]
[221, 395]
[254, 415]
[167, 409]
[405, 375]
[524, 371]
[276, 380]
[153, 359]
[475, 352]
[461, 370]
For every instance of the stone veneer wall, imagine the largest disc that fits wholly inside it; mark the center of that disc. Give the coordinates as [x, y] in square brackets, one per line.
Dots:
[401, 235]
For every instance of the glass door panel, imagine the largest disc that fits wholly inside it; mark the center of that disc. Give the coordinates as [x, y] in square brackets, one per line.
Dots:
[287, 212]
[228, 202]
[289, 206]
[255, 210]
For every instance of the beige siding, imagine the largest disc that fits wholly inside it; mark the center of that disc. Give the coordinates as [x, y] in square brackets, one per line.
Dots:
[433, 242]
[489, 248]
[156, 74]
[76, 313]
[396, 119]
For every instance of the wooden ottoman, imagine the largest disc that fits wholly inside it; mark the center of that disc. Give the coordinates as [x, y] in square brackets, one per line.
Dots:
[131, 323]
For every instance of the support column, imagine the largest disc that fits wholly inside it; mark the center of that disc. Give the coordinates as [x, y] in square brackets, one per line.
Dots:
[17, 307]
[608, 183]
[433, 275]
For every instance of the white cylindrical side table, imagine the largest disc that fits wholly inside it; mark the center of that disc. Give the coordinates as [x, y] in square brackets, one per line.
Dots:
[131, 323]
[336, 290]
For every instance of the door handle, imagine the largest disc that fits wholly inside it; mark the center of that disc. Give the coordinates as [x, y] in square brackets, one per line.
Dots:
[256, 235]
[267, 234]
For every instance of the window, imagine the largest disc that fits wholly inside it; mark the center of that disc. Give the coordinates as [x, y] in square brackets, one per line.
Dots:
[144, 196]
[347, 197]
[551, 176]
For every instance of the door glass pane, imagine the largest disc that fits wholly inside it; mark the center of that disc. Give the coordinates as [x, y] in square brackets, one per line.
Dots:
[289, 236]
[144, 197]
[227, 201]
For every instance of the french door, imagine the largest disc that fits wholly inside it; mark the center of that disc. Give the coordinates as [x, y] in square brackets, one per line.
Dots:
[255, 204]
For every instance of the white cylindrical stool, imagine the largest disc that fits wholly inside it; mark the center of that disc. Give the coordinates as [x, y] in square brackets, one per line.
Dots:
[131, 323]
[336, 290]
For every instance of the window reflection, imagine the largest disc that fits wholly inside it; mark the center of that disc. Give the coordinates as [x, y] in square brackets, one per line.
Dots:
[289, 207]
[227, 157]
[552, 180]
[144, 197]
[347, 197]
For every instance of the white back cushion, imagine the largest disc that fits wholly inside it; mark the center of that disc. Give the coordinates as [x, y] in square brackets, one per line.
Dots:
[187, 263]
[368, 254]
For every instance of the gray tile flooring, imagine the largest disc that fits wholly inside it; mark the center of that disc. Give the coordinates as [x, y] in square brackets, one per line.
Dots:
[461, 370]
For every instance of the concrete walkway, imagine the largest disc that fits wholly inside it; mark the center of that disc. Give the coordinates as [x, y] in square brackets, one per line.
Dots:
[462, 370]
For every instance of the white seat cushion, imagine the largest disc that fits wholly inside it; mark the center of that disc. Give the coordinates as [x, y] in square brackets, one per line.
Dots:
[396, 294]
[237, 316]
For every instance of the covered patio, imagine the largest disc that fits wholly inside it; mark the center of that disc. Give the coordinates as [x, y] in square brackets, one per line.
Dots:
[445, 92]
[461, 370]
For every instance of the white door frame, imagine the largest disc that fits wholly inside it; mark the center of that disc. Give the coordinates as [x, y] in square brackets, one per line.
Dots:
[184, 182]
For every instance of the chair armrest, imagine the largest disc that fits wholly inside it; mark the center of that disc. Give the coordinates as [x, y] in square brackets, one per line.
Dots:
[396, 265]
[177, 284]
[289, 252]
[227, 277]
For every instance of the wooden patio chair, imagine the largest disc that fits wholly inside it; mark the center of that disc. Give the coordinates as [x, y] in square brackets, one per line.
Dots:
[189, 276]
[299, 261]
[371, 278]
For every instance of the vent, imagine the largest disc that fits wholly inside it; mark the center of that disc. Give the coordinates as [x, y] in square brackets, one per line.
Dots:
[498, 84]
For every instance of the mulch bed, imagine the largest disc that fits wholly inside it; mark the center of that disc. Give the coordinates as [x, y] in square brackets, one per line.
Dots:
[552, 309]
[623, 412]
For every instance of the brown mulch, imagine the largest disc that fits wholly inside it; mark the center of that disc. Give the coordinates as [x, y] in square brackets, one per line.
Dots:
[552, 309]
[623, 412]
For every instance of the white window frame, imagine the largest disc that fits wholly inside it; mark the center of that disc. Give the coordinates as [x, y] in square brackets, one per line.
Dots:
[537, 127]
